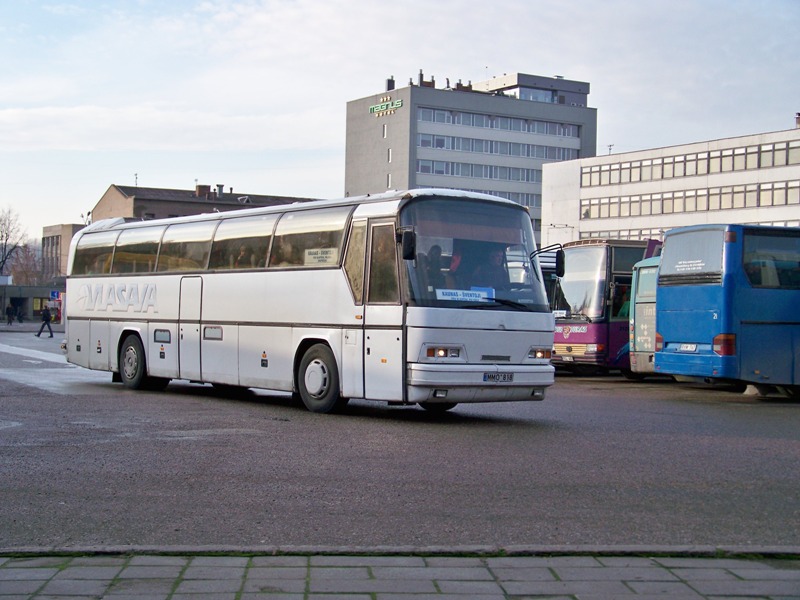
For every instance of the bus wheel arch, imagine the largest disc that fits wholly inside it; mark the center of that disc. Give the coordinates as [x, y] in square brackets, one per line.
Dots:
[132, 364]
[317, 377]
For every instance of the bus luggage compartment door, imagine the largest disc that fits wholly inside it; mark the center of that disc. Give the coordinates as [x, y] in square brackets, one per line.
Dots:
[383, 353]
[189, 329]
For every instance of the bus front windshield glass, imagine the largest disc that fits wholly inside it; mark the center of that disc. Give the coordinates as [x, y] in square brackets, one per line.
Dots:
[580, 293]
[472, 254]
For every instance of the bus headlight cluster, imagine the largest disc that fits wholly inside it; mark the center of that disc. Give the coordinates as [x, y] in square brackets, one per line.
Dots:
[540, 353]
[443, 352]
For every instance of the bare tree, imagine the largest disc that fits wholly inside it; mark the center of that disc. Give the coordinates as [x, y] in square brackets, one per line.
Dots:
[26, 265]
[11, 236]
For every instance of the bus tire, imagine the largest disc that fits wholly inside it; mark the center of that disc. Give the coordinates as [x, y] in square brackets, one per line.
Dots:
[132, 363]
[318, 380]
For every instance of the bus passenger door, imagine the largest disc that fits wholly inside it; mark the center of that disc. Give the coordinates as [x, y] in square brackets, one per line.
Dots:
[189, 328]
[383, 318]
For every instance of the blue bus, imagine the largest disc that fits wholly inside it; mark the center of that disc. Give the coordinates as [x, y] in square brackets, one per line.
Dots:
[727, 305]
[642, 313]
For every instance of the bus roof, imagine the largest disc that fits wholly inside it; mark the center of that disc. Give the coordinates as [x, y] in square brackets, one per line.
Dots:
[727, 227]
[397, 196]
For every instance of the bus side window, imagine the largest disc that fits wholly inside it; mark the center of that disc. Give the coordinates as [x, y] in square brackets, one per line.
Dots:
[383, 266]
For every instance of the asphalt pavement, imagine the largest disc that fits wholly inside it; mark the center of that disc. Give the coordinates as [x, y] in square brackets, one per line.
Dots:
[389, 573]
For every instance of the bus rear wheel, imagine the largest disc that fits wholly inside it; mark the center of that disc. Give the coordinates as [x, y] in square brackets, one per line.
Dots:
[318, 380]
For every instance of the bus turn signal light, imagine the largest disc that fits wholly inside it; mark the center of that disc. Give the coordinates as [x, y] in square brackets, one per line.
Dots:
[725, 344]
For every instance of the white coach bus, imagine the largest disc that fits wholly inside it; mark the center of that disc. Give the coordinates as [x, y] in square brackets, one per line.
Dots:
[391, 297]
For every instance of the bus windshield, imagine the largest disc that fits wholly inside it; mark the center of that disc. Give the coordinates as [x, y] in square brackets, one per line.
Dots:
[472, 254]
[580, 292]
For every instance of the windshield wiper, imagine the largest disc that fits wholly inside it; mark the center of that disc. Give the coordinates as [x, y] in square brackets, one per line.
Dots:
[583, 316]
[490, 302]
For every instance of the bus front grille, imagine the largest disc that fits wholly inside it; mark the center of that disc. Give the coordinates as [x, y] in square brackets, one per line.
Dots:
[569, 349]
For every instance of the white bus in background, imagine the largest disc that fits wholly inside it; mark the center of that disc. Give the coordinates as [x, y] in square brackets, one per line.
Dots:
[375, 297]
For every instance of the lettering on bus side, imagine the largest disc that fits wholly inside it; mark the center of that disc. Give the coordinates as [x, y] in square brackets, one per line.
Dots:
[120, 297]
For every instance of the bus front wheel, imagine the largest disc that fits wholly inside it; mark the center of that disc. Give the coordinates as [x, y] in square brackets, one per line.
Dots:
[318, 380]
[132, 366]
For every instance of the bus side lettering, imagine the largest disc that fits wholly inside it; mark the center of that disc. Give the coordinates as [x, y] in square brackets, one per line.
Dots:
[119, 298]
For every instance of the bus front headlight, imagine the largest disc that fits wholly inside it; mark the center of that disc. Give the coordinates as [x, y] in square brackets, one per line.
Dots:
[445, 353]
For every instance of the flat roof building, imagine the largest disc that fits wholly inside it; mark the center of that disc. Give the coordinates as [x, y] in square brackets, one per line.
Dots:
[753, 179]
[492, 137]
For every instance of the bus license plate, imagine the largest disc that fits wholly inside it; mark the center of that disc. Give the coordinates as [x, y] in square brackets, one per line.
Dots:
[688, 348]
[498, 377]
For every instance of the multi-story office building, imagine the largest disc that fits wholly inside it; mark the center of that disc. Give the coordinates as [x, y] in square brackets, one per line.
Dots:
[638, 195]
[492, 137]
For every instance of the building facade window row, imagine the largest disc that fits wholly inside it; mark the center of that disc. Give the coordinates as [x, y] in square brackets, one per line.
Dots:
[469, 119]
[658, 234]
[689, 165]
[754, 195]
[477, 171]
[462, 144]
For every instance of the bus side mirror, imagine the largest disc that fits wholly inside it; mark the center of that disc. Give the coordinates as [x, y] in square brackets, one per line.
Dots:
[560, 268]
[408, 241]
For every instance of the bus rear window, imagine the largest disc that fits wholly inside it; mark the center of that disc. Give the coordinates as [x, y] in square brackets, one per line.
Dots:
[692, 253]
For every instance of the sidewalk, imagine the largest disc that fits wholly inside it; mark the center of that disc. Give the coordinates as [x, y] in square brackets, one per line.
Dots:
[322, 576]
[31, 327]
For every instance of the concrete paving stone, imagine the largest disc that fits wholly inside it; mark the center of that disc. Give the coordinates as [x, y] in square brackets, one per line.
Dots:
[690, 575]
[98, 561]
[209, 572]
[78, 572]
[391, 596]
[274, 586]
[669, 588]
[437, 573]
[755, 574]
[3, 560]
[367, 561]
[626, 561]
[207, 586]
[614, 574]
[212, 596]
[279, 561]
[219, 561]
[26, 574]
[36, 562]
[543, 588]
[338, 597]
[75, 587]
[751, 588]
[543, 561]
[150, 572]
[275, 597]
[38, 597]
[375, 586]
[533, 574]
[125, 596]
[454, 561]
[491, 588]
[154, 560]
[144, 587]
[300, 573]
[340, 573]
[704, 563]
[28, 586]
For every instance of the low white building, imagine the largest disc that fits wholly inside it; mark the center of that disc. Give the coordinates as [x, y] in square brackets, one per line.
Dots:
[639, 195]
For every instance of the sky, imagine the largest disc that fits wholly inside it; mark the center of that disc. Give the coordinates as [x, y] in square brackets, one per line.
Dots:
[252, 93]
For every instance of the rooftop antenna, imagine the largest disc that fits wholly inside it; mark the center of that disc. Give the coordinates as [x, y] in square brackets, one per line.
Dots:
[610, 146]
[136, 179]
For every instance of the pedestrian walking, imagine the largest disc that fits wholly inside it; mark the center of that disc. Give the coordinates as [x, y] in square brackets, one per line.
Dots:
[46, 318]
[9, 314]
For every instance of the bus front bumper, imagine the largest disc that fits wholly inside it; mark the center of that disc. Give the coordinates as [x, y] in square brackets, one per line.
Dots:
[478, 383]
